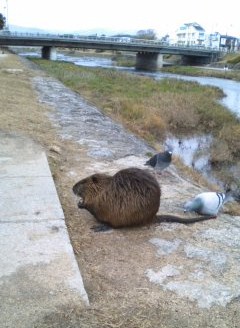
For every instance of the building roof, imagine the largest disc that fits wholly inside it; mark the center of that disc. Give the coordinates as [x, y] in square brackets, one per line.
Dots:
[196, 26]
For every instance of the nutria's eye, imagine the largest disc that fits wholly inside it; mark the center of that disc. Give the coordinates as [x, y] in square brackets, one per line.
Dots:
[95, 179]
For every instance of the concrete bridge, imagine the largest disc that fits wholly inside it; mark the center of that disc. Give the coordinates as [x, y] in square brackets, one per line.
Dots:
[149, 53]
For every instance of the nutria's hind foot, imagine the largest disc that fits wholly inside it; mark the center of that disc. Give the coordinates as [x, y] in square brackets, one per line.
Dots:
[101, 228]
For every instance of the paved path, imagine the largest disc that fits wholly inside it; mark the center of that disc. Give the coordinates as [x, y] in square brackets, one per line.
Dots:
[38, 270]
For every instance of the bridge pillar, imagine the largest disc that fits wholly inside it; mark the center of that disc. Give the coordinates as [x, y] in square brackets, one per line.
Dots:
[148, 61]
[49, 53]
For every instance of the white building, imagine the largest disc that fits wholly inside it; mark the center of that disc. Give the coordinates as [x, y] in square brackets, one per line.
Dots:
[223, 42]
[213, 40]
[191, 34]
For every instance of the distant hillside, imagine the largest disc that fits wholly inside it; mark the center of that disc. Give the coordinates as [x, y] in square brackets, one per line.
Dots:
[22, 29]
[98, 31]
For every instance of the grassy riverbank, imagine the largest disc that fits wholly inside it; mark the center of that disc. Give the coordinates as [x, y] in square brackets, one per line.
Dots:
[152, 109]
[232, 61]
[207, 72]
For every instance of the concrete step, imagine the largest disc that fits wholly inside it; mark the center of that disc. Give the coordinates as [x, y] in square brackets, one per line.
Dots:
[38, 270]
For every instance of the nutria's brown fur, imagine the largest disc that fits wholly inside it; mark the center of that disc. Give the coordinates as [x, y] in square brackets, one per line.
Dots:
[130, 197]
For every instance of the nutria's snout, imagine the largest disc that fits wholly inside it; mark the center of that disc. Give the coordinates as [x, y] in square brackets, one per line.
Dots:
[81, 203]
[77, 189]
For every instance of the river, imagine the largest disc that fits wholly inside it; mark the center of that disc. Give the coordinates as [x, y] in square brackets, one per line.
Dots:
[194, 151]
[230, 88]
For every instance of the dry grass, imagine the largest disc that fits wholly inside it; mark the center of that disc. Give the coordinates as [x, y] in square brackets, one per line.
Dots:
[151, 108]
[120, 295]
[231, 135]
[183, 107]
[139, 315]
[19, 111]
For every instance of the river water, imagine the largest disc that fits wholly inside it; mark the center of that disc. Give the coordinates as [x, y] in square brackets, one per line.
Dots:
[193, 151]
[231, 88]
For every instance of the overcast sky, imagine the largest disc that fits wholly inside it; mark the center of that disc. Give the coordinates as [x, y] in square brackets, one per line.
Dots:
[162, 16]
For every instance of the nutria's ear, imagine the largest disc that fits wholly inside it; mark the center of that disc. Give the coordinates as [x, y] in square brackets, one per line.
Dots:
[94, 179]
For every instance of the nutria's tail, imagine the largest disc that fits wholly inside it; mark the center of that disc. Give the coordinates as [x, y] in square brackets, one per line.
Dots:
[173, 218]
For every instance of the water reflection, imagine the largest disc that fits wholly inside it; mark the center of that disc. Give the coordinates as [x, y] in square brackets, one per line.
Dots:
[87, 61]
[194, 151]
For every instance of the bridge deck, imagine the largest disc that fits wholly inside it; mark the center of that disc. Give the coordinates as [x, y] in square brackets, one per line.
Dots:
[103, 43]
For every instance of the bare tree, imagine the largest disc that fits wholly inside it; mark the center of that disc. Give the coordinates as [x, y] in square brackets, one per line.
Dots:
[147, 34]
[2, 21]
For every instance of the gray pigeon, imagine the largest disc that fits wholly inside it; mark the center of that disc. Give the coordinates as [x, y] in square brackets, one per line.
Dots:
[208, 203]
[160, 161]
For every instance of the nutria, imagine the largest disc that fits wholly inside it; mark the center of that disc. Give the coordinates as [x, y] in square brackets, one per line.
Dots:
[130, 197]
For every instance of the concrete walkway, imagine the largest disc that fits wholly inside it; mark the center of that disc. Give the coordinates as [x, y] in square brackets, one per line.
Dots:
[38, 270]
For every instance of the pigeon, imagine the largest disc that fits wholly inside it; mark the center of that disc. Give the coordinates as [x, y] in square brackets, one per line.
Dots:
[160, 161]
[207, 203]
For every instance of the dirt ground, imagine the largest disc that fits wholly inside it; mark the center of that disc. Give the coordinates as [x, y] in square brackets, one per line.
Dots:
[130, 283]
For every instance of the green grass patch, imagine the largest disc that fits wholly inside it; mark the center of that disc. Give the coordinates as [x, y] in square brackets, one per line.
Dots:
[231, 58]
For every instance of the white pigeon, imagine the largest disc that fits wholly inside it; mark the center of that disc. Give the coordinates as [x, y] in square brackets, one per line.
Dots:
[207, 203]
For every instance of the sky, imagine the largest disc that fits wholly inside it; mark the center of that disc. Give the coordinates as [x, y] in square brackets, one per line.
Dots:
[165, 17]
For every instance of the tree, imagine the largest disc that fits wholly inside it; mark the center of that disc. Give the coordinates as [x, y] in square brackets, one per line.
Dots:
[147, 34]
[2, 21]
